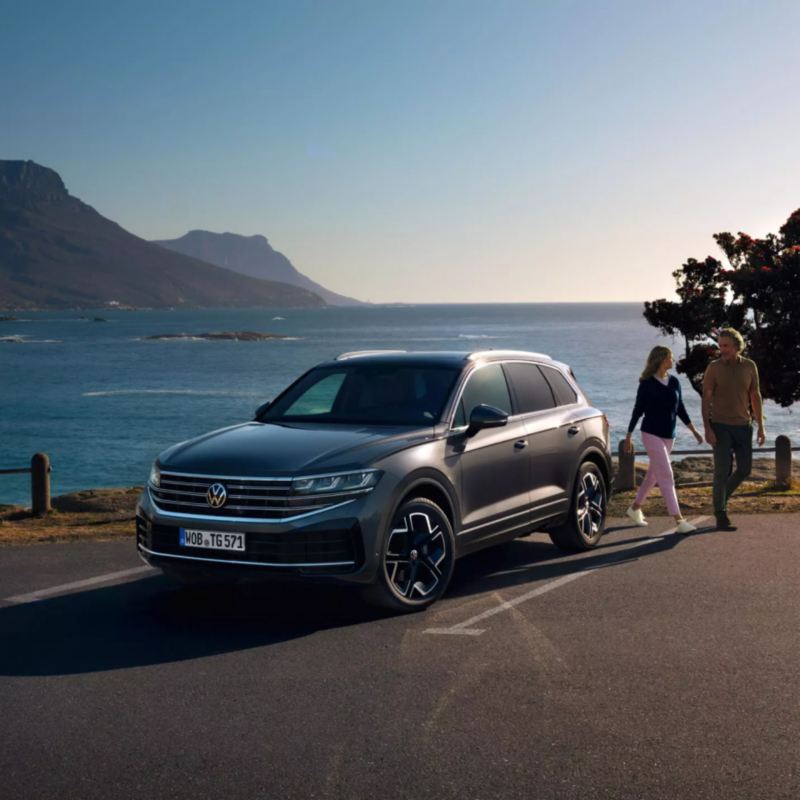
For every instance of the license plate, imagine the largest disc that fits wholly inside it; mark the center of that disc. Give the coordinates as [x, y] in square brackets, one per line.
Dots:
[213, 540]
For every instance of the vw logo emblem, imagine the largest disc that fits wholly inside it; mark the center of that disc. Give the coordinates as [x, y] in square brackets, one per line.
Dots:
[216, 495]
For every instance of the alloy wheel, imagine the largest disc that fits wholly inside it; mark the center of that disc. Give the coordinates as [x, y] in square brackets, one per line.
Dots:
[417, 555]
[590, 507]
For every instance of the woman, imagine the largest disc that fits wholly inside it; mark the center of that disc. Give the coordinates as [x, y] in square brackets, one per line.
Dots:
[659, 399]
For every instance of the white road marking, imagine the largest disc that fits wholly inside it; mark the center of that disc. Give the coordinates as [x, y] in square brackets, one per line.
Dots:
[66, 588]
[465, 628]
[456, 631]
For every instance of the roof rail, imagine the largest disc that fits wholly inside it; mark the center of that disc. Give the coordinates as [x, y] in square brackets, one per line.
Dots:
[359, 353]
[505, 354]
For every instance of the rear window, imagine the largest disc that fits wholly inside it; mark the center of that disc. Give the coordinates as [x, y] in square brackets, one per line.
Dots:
[565, 394]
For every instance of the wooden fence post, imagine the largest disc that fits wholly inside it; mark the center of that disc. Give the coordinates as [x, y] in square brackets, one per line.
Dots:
[783, 462]
[626, 473]
[40, 484]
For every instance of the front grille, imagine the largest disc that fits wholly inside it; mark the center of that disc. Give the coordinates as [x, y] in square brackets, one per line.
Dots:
[247, 498]
[315, 546]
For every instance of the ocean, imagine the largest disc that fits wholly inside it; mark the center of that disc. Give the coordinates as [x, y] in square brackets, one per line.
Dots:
[103, 402]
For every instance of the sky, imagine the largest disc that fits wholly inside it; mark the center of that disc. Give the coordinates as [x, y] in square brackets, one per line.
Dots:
[497, 151]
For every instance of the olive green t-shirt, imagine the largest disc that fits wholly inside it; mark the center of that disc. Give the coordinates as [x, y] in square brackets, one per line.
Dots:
[731, 385]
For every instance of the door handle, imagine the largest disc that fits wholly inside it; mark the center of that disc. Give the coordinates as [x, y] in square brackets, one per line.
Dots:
[573, 430]
[520, 444]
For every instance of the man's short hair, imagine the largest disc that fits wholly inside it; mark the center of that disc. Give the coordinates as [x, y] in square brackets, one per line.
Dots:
[734, 335]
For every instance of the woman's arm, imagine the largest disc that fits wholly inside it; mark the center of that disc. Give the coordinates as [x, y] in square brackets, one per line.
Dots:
[638, 410]
[697, 434]
[682, 413]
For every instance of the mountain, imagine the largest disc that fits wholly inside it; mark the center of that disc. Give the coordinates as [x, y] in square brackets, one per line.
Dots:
[250, 255]
[58, 252]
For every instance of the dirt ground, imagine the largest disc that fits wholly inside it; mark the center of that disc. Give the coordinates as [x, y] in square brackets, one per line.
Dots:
[693, 477]
[103, 514]
[90, 514]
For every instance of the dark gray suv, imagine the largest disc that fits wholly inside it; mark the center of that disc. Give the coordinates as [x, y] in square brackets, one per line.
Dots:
[381, 468]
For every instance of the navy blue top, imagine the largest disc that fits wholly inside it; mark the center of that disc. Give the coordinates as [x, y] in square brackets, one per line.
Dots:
[661, 406]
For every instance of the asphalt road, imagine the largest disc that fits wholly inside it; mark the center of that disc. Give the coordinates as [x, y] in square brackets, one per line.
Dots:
[652, 667]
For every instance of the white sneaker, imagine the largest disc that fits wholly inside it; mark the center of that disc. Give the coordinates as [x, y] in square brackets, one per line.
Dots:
[685, 527]
[636, 515]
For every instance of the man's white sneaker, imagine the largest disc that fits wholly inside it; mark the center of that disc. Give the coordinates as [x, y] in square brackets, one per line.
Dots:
[636, 515]
[685, 527]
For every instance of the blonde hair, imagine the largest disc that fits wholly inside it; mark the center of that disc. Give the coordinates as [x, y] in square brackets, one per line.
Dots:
[734, 335]
[657, 355]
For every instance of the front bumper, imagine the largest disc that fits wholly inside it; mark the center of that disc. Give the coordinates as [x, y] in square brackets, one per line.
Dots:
[339, 544]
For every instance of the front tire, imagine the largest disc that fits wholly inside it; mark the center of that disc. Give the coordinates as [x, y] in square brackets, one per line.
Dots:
[587, 512]
[417, 558]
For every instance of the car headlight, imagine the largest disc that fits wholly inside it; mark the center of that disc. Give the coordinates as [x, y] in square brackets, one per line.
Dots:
[338, 482]
[155, 476]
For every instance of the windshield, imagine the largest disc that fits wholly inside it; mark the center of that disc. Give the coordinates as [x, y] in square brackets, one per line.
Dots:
[372, 394]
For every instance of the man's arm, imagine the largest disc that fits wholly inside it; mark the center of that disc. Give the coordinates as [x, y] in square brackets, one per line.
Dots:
[708, 395]
[757, 407]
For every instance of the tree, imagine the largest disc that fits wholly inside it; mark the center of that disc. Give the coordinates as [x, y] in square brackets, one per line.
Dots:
[757, 292]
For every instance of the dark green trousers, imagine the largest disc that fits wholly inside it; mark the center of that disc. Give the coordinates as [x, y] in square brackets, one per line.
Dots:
[736, 440]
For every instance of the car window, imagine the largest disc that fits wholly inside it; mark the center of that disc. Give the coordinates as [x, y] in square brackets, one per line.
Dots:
[486, 385]
[364, 393]
[319, 397]
[565, 394]
[532, 391]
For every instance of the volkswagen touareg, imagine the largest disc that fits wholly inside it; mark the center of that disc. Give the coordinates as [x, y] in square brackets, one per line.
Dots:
[381, 468]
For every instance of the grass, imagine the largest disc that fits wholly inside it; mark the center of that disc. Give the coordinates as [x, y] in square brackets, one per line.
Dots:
[94, 514]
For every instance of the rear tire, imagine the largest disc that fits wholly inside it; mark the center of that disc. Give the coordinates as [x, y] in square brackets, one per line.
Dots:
[417, 558]
[587, 512]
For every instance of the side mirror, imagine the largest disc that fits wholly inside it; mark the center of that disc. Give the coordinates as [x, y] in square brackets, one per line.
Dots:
[261, 409]
[484, 416]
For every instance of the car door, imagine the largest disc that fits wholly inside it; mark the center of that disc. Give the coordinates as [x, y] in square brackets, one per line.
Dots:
[569, 418]
[493, 464]
[534, 398]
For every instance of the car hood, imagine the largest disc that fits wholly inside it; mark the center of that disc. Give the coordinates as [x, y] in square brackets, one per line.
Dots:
[256, 449]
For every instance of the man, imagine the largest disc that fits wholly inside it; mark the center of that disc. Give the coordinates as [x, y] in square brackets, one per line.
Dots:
[731, 401]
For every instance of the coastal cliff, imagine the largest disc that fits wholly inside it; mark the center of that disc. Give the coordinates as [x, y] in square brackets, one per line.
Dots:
[58, 252]
[253, 256]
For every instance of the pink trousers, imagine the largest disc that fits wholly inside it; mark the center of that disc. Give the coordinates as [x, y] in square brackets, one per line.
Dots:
[659, 472]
